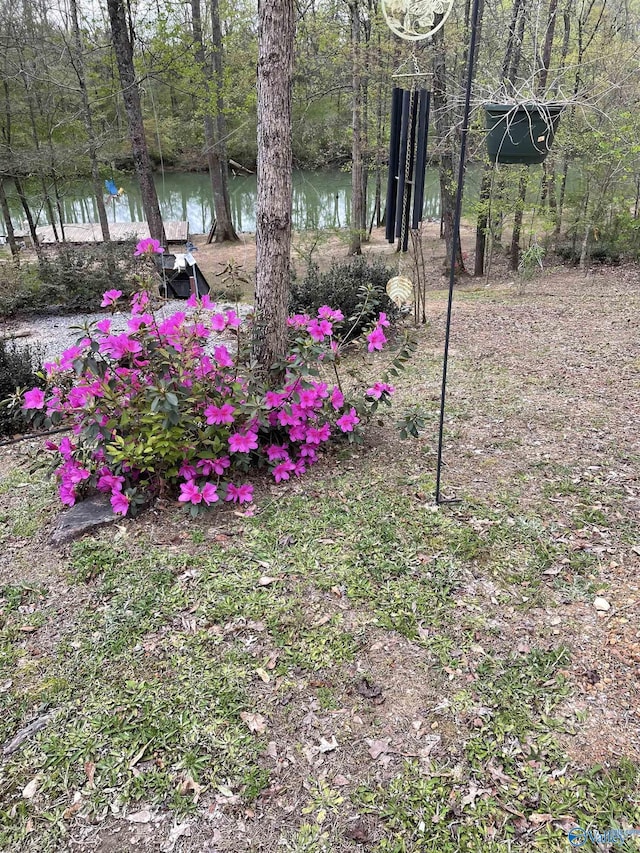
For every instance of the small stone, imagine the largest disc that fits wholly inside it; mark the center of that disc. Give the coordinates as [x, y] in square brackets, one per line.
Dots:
[83, 518]
[601, 604]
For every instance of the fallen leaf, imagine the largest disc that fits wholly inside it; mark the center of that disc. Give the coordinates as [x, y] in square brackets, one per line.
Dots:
[340, 780]
[264, 675]
[498, 774]
[539, 819]
[189, 785]
[255, 722]
[378, 747]
[370, 690]
[473, 793]
[180, 830]
[265, 580]
[272, 660]
[29, 790]
[358, 832]
[28, 629]
[90, 769]
[143, 816]
[328, 745]
[74, 808]
[272, 750]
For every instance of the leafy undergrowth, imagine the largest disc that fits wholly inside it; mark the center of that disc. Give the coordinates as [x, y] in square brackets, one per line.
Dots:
[335, 662]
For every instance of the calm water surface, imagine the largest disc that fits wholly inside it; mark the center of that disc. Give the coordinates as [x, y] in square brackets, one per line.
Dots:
[320, 200]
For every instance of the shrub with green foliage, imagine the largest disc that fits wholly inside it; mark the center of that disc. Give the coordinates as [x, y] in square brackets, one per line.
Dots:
[18, 369]
[346, 286]
[71, 278]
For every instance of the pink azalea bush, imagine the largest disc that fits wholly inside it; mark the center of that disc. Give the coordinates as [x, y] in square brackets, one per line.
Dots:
[166, 408]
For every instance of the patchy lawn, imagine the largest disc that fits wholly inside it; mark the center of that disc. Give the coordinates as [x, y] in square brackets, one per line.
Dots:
[353, 669]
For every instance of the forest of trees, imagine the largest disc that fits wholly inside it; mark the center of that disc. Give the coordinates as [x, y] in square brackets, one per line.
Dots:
[75, 75]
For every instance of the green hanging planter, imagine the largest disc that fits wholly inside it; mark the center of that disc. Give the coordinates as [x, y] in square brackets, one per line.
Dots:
[521, 133]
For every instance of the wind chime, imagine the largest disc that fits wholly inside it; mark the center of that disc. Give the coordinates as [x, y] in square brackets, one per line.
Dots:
[413, 20]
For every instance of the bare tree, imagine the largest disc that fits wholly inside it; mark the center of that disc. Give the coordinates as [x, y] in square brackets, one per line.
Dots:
[123, 49]
[76, 57]
[213, 136]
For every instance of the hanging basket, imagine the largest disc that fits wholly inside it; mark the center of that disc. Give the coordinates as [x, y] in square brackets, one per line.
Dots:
[521, 133]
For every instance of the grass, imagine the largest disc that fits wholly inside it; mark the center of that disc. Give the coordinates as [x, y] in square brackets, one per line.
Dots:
[148, 682]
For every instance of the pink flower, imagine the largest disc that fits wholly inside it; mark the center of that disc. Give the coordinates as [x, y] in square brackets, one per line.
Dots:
[109, 297]
[218, 322]
[120, 503]
[220, 464]
[109, 482]
[308, 398]
[69, 356]
[298, 321]
[187, 471]
[67, 494]
[327, 313]
[382, 319]
[233, 321]
[337, 398]
[149, 246]
[281, 471]
[221, 355]
[376, 339]
[117, 346]
[276, 452]
[104, 326]
[190, 493]
[274, 398]
[140, 320]
[319, 329]
[243, 442]
[209, 494]
[318, 435]
[348, 421]
[219, 414]
[138, 302]
[34, 399]
[240, 494]
[378, 389]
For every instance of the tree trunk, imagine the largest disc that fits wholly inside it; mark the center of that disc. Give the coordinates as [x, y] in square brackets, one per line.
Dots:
[444, 119]
[225, 229]
[222, 208]
[131, 94]
[77, 61]
[541, 84]
[276, 30]
[483, 219]
[357, 166]
[6, 215]
[27, 212]
[517, 221]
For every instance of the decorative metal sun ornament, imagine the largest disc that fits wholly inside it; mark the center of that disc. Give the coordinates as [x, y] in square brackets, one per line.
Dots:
[413, 20]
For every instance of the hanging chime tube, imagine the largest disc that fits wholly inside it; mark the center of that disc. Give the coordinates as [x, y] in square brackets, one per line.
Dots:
[421, 158]
[394, 153]
[408, 184]
[402, 159]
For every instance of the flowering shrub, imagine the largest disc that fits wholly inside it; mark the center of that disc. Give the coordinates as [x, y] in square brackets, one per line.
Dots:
[167, 408]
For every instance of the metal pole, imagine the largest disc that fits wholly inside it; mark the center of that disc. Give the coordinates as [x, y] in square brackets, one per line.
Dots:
[456, 236]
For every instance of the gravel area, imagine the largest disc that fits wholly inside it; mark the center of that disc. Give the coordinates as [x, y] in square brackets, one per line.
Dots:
[53, 334]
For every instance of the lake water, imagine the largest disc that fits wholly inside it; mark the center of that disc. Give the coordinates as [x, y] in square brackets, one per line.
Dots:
[321, 200]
